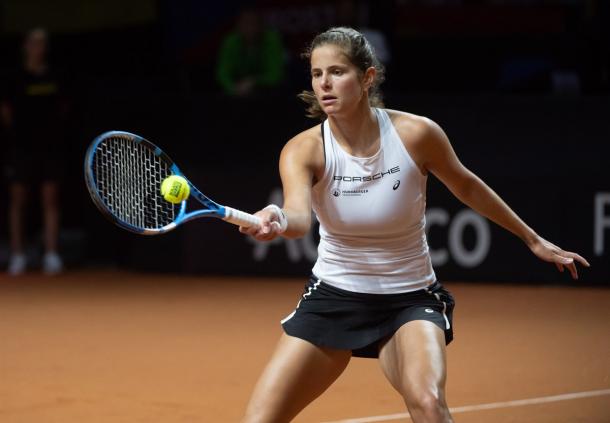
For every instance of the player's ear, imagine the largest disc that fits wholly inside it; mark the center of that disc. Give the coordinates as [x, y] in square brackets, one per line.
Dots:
[369, 77]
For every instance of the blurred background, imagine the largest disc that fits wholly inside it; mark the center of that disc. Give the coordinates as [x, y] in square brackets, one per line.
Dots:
[520, 86]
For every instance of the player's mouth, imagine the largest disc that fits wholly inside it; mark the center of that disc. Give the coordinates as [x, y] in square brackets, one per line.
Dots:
[328, 100]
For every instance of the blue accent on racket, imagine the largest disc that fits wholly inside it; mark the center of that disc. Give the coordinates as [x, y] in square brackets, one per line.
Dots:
[124, 172]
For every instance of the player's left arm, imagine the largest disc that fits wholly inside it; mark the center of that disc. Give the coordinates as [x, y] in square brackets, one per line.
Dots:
[435, 154]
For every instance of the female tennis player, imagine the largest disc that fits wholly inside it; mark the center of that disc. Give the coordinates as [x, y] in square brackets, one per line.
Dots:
[373, 292]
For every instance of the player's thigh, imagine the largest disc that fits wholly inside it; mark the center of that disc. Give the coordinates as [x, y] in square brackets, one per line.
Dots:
[414, 360]
[297, 373]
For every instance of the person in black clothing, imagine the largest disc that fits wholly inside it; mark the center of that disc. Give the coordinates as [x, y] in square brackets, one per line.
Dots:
[33, 111]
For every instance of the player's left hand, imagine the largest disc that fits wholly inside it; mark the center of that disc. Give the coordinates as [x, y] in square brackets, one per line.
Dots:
[562, 259]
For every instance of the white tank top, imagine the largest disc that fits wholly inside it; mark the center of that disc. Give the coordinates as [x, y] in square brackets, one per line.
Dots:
[372, 221]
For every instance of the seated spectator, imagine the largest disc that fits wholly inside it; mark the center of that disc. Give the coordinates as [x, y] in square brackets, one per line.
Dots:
[251, 57]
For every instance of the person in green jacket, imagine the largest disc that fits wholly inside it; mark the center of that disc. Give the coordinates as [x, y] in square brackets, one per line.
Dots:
[251, 57]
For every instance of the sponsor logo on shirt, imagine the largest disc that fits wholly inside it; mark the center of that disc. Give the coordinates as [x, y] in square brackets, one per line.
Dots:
[348, 192]
[337, 192]
[366, 178]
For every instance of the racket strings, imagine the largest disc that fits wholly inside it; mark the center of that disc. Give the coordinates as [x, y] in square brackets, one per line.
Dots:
[128, 177]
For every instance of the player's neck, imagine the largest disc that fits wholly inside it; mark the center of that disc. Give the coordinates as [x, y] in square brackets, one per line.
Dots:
[357, 132]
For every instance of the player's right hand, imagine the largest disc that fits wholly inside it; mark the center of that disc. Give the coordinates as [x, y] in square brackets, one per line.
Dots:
[268, 230]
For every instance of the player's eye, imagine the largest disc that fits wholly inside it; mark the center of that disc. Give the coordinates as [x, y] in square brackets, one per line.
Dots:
[338, 72]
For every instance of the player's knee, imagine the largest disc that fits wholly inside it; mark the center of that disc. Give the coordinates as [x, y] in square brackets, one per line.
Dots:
[426, 402]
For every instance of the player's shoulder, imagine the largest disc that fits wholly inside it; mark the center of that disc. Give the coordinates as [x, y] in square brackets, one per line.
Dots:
[306, 143]
[410, 125]
[413, 128]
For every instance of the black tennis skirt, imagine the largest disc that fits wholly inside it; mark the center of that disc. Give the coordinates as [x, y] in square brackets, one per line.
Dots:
[335, 318]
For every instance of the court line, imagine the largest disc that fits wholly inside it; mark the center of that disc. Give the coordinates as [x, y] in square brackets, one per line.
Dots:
[487, 406]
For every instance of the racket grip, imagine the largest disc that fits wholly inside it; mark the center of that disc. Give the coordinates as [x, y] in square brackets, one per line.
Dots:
[240, 218]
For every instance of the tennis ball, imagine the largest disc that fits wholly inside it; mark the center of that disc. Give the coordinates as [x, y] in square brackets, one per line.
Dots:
[175, 189]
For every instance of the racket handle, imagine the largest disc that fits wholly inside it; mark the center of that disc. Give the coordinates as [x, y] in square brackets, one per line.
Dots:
[240, 218]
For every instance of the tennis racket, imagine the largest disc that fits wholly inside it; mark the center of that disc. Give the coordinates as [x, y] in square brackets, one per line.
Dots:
[124, 172]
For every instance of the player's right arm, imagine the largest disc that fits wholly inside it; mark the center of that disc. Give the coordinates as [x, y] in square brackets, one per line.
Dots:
[301, 161]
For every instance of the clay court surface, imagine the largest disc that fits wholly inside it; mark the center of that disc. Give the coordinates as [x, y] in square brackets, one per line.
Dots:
[119, 347]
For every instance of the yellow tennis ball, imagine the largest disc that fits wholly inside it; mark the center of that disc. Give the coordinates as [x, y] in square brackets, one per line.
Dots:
[175, 189]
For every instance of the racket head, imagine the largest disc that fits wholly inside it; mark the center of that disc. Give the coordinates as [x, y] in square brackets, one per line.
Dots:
[123, 173]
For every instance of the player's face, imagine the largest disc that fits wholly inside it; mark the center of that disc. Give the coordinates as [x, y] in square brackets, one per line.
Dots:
[336, 82]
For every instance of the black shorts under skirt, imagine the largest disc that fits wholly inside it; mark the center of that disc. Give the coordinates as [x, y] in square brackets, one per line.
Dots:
[335, 318]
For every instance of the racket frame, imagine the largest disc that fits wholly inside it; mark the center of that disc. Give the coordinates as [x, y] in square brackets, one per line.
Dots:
[212, 209]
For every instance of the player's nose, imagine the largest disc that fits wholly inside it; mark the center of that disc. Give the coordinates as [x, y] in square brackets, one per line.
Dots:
[325, 83]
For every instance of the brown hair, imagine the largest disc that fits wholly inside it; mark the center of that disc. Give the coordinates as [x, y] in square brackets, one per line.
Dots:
[359, 51]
